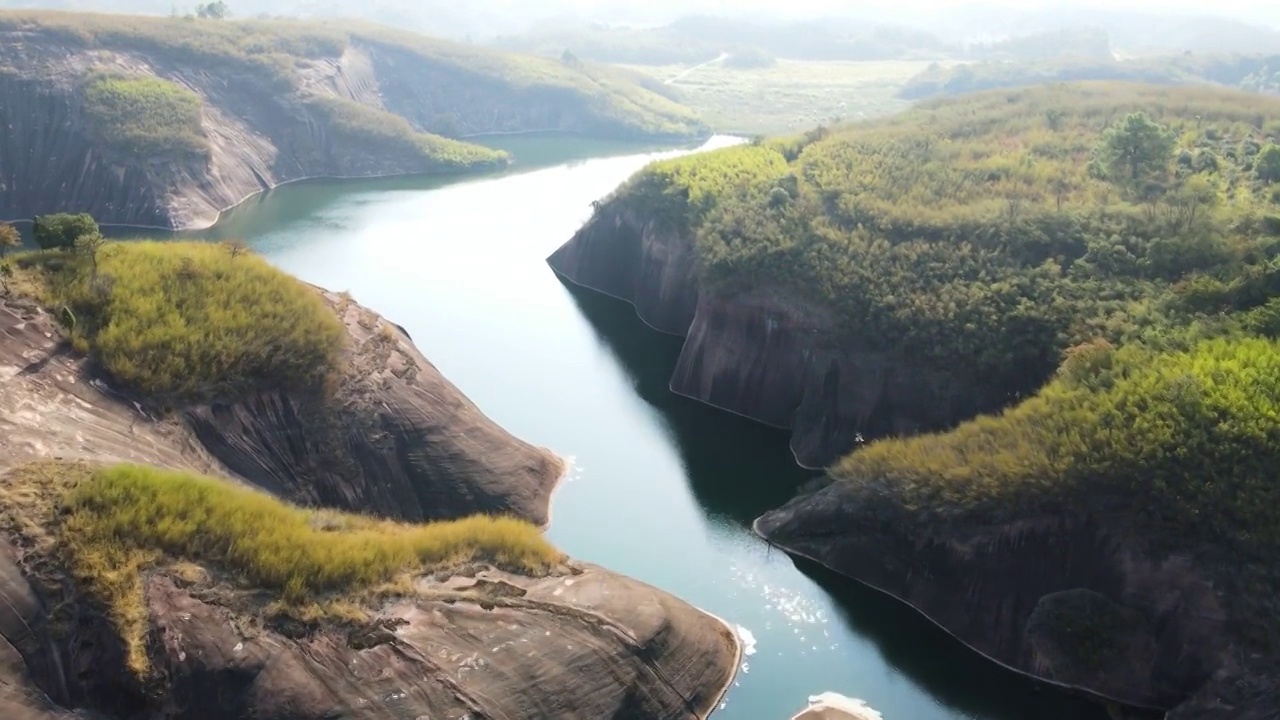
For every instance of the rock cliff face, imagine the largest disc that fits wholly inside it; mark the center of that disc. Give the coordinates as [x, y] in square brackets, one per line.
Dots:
[584, 644]
[1077, 601]
[760, 353]
[397, 439]
[261, 130]
[401, 441]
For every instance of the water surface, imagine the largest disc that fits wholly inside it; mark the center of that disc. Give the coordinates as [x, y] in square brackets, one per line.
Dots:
[662, 488]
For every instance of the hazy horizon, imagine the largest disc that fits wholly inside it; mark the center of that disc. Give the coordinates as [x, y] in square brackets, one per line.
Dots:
[487, 18]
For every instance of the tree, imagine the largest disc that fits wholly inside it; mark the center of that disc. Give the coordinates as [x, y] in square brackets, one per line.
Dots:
[1267, 166]
[1136, 149]
[235, 248]
[213, 11]
[9, 238]
[87, 247]
[61, 231]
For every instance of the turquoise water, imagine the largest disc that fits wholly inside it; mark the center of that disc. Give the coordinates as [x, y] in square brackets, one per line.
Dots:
[662, 488]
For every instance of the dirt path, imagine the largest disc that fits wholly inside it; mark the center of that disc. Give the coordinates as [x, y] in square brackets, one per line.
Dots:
[686, 71]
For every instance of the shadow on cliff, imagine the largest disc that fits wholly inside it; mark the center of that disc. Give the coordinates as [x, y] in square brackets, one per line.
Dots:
[739, 469]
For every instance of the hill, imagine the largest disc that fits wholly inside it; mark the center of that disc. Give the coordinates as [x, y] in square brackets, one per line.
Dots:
[1255, 73]
[181, 118]
[225, 493]
[904, 275]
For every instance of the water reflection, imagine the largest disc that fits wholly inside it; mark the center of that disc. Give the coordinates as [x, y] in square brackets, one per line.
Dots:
[739, 469]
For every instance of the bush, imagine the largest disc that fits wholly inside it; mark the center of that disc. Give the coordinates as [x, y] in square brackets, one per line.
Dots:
[61, 231]
[185, 322]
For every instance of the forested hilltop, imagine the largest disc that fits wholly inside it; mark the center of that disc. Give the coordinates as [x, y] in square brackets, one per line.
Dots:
[1104, 260]
[167, 121]
[988, 234]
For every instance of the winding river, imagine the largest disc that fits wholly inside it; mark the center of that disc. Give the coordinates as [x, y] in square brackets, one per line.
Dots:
[662, 488]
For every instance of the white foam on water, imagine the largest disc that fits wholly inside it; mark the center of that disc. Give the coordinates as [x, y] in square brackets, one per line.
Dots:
[834, 706]
[748, 641]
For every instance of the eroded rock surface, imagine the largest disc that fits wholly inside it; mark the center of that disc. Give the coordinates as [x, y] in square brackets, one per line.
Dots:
[398, 440]
[1077, 600]
[581, 643]
[585, 643]
[762, 353]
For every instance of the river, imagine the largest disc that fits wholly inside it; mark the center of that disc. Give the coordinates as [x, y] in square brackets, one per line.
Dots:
[662, 489]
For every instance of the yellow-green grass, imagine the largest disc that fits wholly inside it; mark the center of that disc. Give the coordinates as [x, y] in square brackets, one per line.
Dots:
[144, 116]
[111, 525]
[1183, 443]
[183, 322]
[356, 122]
[790, 96]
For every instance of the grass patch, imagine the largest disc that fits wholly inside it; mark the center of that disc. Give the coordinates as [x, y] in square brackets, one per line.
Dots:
[790, 96]
[110, 525]
[1184, 442]
[361, 124]
[144, 116]
[184, 322]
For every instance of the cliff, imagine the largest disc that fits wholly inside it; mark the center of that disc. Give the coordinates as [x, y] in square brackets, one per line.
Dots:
[762, 352]
[1080, 600]
[396, 439]
[273, 102]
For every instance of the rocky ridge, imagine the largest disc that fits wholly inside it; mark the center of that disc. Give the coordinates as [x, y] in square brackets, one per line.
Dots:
[402, 442]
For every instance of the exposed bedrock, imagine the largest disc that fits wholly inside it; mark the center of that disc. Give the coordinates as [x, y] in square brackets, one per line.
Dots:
[761, 353]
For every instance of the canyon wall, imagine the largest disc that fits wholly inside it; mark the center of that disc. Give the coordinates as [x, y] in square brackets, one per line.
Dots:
[762, 352]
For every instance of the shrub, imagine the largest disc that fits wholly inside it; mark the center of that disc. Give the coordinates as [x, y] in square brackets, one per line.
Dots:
[183, 322]
[61, 231]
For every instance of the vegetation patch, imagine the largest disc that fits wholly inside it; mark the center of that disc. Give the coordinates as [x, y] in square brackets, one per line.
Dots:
[983, 236]
[1186, 442]
[185, 322]
[144, 116]
[788, 96]
[361, 123]
[109, 526]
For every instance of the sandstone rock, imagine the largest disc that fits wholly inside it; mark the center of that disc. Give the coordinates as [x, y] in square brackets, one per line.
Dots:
[400, 441]
[1076, 600]
[762, 354]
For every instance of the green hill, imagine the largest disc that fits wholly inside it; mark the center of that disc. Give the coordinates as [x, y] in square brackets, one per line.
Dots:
[985, 235]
